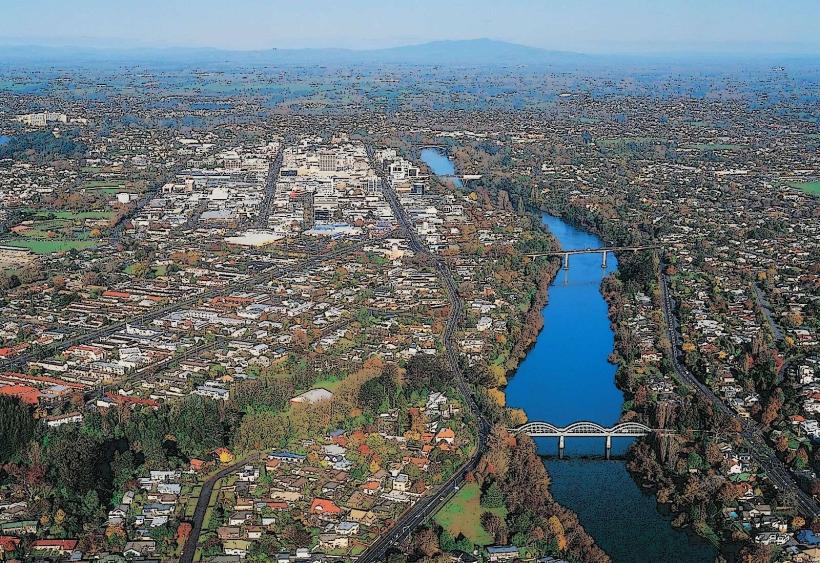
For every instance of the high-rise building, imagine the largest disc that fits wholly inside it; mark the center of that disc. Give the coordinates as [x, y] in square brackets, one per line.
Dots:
[327, 162]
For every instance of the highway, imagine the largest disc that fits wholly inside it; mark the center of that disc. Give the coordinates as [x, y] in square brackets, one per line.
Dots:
[777, 472]
[429, 505]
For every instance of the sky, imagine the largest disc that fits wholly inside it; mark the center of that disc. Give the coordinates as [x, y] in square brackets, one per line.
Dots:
[591, 26]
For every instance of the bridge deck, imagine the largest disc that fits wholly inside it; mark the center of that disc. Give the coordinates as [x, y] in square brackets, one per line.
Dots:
[594, 250]
[583, 429]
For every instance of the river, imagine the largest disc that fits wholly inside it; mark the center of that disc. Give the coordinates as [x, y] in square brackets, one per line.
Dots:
[565, 378]
[441, 165]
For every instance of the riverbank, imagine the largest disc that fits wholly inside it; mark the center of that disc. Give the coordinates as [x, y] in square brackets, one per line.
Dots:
[566, 376]
[655, 463]
[578, 345]
[536, 524]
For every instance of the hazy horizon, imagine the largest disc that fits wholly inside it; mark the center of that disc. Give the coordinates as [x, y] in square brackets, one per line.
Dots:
[583, 26]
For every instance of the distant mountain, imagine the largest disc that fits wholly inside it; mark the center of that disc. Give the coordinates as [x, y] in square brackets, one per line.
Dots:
[466, 52]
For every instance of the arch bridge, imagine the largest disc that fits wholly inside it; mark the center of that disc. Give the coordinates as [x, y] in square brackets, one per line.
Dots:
[583, 429]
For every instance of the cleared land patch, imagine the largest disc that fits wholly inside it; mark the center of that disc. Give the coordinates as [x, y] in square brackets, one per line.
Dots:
[462, 515]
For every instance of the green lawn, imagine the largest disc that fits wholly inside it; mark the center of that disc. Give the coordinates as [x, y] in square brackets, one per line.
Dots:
[159, 271]
[49, 246]
[190, 506]
[330, 383]
[627, 145]
[110, 190]
[812, 188]
[462, 515]
[103, 184]
[57, 231]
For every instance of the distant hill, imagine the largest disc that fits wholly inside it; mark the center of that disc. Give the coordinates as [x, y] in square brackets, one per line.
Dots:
[465, 52]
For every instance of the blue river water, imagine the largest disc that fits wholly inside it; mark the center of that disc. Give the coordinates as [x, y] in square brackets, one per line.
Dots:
[4, 139]
[566, 377]
[442, 166]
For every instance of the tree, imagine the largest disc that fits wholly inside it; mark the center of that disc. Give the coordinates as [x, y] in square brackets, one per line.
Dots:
[558, 531]
[300, 339]
[426, 542]
[71, 458]
[772, 411]
[492, 497]
[197, 425]
[183, 531]
[91, 505]
[141, 270]
[694, 461]
[372, 394]
[494, 525]
[425, 371]
[17, 427]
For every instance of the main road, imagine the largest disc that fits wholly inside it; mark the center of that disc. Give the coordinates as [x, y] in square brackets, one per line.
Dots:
[750, 431]
[426, 506]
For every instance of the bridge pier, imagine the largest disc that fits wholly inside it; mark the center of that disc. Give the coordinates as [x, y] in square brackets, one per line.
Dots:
[603, 259]
[608, 445]
[566, 261]
[561, 446]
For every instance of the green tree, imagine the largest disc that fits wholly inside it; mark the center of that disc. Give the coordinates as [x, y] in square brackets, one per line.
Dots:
[71, 458]
[492, 497]
[17, 427]
[197, 425]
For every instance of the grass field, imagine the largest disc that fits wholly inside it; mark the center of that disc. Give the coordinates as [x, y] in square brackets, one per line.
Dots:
[105, 186]
[72, 215]
[158, 270]
[812, 188]
[462, 515]
[57, 231]
[330, 383]
[49, 246]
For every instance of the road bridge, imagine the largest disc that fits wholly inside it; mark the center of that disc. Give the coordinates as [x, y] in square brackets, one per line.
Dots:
[565, 254]
[583, 429]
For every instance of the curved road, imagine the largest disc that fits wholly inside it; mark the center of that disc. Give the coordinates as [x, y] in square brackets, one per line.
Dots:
[189, 550]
